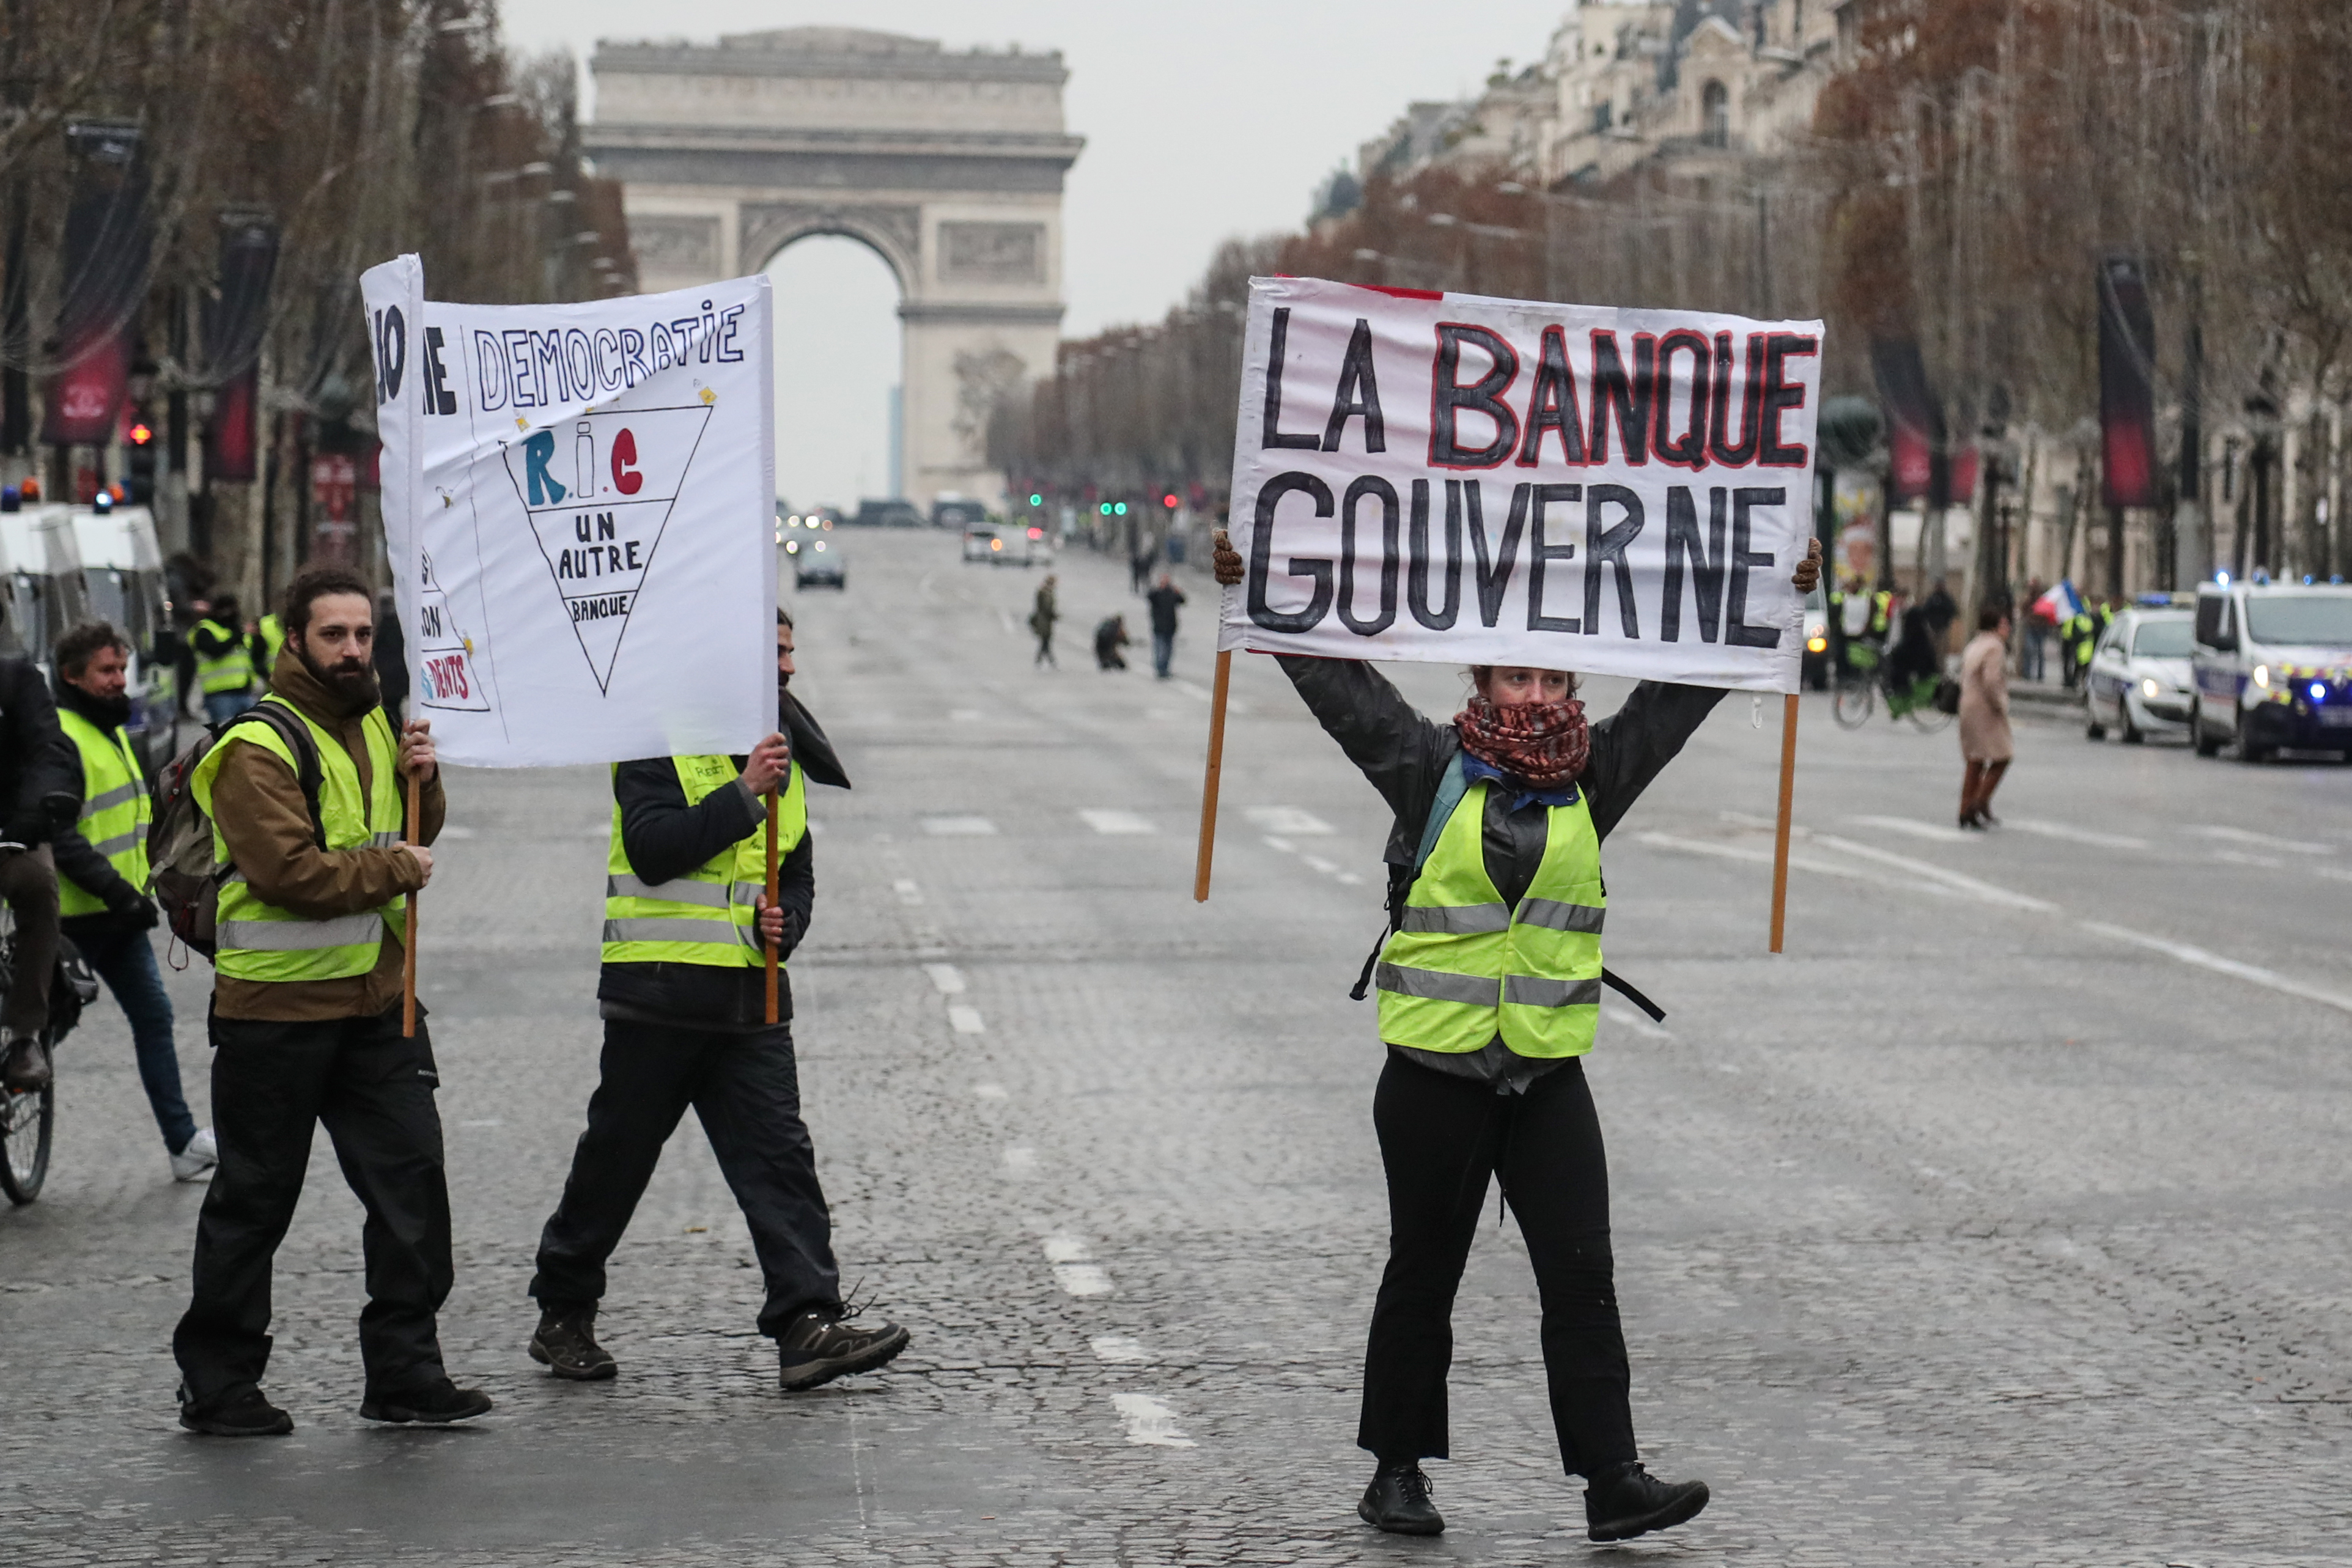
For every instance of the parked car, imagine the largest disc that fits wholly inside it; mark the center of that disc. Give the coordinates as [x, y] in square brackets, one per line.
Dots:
[2273, 668]
[2140, 681]
[817, 559]
[956, 512]
[983, 543]
[872, 513]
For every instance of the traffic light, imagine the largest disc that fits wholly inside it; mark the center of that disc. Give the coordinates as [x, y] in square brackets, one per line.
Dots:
[1169, 500]
[1036, 500]
[1120, 508]
[1105, 509]
[139, 439]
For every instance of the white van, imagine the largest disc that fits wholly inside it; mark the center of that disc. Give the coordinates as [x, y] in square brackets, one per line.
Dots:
[46, 596]
[2273, 666]
[123, 574]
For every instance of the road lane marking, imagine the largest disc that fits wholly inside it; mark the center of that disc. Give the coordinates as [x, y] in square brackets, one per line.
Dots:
[1763, 857]
[966, 1021]
[1149, 1421]
[2264, 840]
[907, 891]
[1281, 846]
[1113, 822]
[2239, 857]
[1951, 879]
[1119, 1351]
[991, 1091]
[2073, 834]
[451, 831]
[1082, 1278]
[1063, 1247]
[1021, 1158]
[1915, 829]
[1287, 820]
[1317, 863]
[959, 827]
[965, 716]
[2268, 978]
[946, 978]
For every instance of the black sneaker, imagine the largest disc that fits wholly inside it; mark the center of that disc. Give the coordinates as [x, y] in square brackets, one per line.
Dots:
[565, 1344]
[1397, 1501]
[240, 1413]
[436, 1405]
[1626, 1501]
[817, 1347]
[27, 1070]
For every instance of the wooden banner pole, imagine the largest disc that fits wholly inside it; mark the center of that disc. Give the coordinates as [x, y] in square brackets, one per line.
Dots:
[408, 939]
[1209, 783]
[1781, 833]
[774, 806]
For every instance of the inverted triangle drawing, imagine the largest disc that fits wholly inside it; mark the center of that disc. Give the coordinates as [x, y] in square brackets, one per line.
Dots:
[444, 654]
[599, 488]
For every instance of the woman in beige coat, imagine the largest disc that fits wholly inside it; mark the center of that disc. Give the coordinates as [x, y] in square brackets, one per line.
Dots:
[1985, 741]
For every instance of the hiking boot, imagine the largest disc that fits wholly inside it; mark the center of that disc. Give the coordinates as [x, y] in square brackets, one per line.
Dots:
[818, 1346]
[1397, 1501]
[1625, 1500]
[239, 1413]
[565, 1344]
[28, 1066]
[434, 1404]
[200, 1156]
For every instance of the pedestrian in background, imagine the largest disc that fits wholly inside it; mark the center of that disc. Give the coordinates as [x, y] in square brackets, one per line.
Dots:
[224, 651]
[40, 790]
[1163, 599]
[391, 657]
[103, 877]
[1042, 616]
[2033, 653]
[1110, 636]
[683, 997]
[305, 1026]
[1489, 996]
[1986, 743]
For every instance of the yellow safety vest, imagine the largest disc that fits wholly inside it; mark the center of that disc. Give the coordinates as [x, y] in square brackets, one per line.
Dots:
[115, 810]
[270, 635]
[231, 671]
[1465, 968]
[257, 940]
[706, 915]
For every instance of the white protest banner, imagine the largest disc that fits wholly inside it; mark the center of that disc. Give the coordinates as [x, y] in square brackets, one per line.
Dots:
[1465, 480]
[580, 511]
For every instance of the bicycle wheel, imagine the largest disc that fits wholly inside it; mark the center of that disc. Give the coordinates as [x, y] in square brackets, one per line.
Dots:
[28, 1123]
[1930, 718]
[1857, 696]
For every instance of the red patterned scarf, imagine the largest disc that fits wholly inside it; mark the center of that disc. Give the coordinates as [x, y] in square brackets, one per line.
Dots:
[1542, 743]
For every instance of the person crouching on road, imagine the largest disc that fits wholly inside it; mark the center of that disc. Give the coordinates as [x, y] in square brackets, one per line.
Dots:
[1489, 991]
[103, 877]
[683, 997]
[306, 1028]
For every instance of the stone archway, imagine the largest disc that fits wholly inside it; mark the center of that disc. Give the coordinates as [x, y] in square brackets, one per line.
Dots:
[949, 166]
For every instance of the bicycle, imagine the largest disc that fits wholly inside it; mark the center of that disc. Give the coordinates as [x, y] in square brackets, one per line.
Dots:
[1866, 675]
[28, 1117]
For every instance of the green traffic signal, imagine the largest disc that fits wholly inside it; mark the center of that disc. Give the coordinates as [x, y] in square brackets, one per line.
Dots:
[1036, 500]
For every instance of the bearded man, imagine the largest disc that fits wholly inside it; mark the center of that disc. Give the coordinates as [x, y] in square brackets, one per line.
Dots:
[306, 1025]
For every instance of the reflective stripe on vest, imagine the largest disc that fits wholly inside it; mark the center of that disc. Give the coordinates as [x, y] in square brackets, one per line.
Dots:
[225, 672]
[710, 915]
[1463, 968]
[260, 941]
[114, 813]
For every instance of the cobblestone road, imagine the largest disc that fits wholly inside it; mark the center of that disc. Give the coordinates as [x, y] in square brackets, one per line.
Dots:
[2000, 1222]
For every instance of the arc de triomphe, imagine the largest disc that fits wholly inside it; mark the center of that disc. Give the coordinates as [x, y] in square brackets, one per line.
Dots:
[948, 165]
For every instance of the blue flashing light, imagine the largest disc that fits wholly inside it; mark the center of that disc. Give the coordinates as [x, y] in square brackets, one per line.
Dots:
[2319, 691]
[2222, 578]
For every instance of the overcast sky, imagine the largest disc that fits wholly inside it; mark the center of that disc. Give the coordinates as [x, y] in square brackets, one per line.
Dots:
[1202, 119]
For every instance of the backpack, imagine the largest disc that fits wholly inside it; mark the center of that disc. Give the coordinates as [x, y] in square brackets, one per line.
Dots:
[1450, 788]
[186, 876]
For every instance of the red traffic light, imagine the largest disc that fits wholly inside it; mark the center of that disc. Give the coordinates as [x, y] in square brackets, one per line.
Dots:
[140, 434]
[1169, 500]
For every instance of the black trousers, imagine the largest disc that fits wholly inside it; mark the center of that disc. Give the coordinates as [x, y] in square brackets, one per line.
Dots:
[1441, 1138]
[745, 1090]
[272, 1082]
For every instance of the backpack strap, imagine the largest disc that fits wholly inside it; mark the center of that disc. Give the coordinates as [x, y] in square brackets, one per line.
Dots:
[308, 772]
[1453, 785]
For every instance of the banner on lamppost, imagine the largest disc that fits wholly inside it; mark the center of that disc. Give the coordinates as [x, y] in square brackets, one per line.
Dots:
[2127, 385]
[1459, 479]
[579, 508]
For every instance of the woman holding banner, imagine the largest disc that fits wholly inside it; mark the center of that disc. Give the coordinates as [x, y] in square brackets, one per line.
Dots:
[1489, 985]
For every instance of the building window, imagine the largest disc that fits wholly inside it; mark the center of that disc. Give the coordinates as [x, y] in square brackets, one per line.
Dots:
[1716, 110]
[1605, 114]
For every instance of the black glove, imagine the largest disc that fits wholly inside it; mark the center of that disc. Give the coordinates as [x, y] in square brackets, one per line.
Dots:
[134, 912]
[795, 925]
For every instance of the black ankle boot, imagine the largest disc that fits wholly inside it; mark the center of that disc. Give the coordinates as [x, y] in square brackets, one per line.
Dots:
[1397, 1501]
[1625, 1500]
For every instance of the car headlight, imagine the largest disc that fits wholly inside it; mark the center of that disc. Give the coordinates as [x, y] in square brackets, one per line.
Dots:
[820, 544]
[792, 547]
[2262, 676]
[2149, 688]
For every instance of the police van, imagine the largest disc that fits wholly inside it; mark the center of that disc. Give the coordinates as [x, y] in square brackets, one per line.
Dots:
[42, 562]
[123, 578]
[2273, 668]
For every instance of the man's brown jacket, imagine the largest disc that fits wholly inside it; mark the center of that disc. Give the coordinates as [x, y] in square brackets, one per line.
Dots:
[257, 804]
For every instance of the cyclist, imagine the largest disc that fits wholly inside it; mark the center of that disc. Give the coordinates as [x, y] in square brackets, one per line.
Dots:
[40, 787]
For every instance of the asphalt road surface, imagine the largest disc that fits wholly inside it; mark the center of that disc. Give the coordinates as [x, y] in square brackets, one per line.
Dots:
[2000, 1221]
